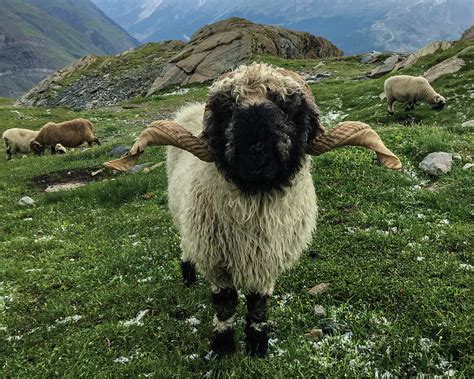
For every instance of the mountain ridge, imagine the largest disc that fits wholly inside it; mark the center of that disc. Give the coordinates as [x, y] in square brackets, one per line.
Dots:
[34, 43]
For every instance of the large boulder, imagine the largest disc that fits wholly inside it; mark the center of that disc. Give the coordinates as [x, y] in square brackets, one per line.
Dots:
[448, 66]
[220, 47]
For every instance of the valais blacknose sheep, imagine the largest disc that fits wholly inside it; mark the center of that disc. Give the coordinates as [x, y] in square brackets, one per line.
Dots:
[18, 140]
[240, 189]
[410, 89]
[68, 133]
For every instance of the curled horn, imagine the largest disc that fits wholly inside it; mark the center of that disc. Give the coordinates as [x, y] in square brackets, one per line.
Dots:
[161, 133]
[354, 133]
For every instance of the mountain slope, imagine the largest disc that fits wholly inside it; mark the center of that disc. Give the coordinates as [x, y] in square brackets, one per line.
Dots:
[213, 50]
[354, 25]
[38, 37]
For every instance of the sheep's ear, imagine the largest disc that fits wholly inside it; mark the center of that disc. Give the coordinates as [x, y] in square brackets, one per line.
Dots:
[354, 133]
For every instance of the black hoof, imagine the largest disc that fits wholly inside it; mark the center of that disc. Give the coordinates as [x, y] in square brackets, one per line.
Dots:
[189, 273]
[257, 343]
[222, 343]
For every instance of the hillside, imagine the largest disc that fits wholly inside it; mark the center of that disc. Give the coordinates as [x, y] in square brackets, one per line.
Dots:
[212, 50]
[91, 282]
[356, 26]
[39, 36]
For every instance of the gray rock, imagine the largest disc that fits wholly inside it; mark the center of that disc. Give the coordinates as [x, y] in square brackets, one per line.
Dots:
[138, 167]
[448, 66]
[437, 164]
[392, 60]
[370, 58]
[119, 151]
[468, 166]
[319, 311]
[381, 70]
[26, 201]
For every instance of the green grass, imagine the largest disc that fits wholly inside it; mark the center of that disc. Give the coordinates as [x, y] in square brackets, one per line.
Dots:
[395, 246]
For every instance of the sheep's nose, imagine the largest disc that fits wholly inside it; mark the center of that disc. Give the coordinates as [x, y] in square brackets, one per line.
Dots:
[256, 157]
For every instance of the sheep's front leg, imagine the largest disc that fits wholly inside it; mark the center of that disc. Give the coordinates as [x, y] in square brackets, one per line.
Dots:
[189, 273]
[256, 330]
[224, 301]
[390, 101]
[9, 153]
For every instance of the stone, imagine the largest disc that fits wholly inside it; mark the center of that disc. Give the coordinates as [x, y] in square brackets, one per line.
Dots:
[392, 60]
[119, 151]
[427, 50]
[468, 123]
[26, 201]
[319, 311]
[468, 166]
[138, 167]
[448, 66]
[63, 187]
[319, 288]
[314, 335]
[437, 164]
[381, 71]
[370, 58]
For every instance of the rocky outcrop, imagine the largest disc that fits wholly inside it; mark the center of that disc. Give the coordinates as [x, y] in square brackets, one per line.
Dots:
[427, 50]
[448, 66]
[99, 81]
[468, 34]
[220, 47]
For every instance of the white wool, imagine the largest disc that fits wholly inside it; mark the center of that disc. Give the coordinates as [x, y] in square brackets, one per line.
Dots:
[18, 140]
[235, 239]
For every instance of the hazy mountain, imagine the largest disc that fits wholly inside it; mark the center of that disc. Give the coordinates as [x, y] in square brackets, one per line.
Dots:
[39, 36]
[354, 25]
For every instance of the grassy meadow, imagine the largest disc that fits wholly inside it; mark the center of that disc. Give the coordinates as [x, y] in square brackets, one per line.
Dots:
[90, 280]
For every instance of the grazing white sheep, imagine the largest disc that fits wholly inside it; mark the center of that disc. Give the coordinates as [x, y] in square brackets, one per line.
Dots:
[18, 140]
[68, 133]
[410, 89]
[241, 192]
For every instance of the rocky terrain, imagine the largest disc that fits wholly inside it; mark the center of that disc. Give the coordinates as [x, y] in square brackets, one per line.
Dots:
[39, 36]
[213, 50]
[217, 48]
[96, 81]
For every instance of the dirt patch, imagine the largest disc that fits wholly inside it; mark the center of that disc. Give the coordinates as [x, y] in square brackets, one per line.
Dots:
[65, 179]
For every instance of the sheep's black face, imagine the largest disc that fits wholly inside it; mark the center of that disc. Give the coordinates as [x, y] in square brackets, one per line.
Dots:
[438, 103]
[260, 147]
[36, 147]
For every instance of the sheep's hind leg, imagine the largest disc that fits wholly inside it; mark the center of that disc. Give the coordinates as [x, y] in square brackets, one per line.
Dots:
[189, 273]
[224, 301]
[256, 330]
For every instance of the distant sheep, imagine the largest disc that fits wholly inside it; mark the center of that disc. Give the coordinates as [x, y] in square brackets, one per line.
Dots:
[410, 89]
[68, 133]
[240, 187]
[18, 140]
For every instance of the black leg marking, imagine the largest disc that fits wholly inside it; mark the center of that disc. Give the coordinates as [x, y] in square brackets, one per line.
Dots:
[256, 330]
[189, 273]
[224, 302]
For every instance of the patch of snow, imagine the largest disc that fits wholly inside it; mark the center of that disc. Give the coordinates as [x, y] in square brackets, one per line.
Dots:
[137, 320]
[144, 280]
[193, 321]
[180, 91]
[420, 258]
